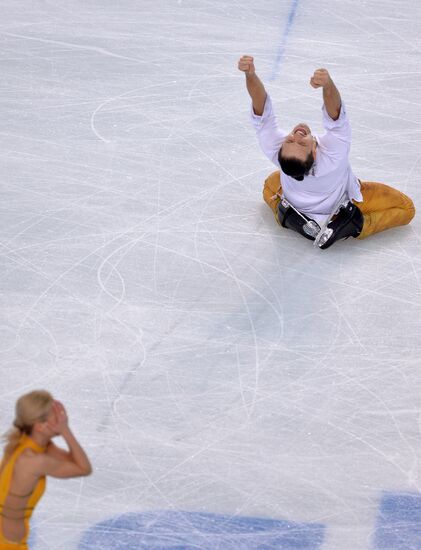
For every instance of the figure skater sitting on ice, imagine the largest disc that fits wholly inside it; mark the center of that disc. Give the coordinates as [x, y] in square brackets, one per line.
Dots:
[315, 192]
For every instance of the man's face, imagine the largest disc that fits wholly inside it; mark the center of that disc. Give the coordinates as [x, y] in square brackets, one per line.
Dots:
[299, 143]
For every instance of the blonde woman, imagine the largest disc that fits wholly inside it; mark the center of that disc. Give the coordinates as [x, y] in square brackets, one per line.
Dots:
[29, 457]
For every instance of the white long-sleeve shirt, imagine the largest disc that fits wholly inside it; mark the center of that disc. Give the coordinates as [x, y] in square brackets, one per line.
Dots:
[331, 175]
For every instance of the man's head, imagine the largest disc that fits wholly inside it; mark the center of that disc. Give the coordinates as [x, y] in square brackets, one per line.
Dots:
[298, 152]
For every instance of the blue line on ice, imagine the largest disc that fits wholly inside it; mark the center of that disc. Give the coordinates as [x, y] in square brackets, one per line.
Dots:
[177, 530]
[282, 44]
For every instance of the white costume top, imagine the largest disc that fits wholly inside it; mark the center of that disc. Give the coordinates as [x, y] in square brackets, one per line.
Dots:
[331, 175]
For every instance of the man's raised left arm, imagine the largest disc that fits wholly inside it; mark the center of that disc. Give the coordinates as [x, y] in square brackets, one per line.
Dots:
[331, 97]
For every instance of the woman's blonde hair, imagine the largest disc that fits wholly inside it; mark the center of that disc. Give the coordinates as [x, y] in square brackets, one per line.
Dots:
[30, 408]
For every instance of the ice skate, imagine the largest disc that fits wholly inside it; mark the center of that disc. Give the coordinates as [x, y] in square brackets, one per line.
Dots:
[291, 218]
[347, 222]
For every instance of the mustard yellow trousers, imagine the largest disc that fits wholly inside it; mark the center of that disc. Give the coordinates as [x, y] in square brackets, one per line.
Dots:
[6, 545]
[383, 207]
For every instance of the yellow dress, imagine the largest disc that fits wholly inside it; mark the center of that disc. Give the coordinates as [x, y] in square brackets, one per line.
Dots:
[27, 504]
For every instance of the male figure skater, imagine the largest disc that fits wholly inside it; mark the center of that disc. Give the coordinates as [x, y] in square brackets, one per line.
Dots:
[315, 179]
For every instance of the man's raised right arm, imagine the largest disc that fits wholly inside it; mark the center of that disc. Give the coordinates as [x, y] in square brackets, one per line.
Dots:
[254, 85]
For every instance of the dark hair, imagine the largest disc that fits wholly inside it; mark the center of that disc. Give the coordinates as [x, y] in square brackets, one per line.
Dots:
[294, 167]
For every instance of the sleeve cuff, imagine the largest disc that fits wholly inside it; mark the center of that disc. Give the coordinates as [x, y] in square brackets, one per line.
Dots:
[258, 120]
[329, 123]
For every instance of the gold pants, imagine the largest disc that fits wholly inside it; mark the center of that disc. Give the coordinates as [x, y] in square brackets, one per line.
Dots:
[383, 207]
[6, 545]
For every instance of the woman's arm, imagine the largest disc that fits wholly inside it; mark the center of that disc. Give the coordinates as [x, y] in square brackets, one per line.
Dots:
[76, 454]
[57, 452]
[57, 462]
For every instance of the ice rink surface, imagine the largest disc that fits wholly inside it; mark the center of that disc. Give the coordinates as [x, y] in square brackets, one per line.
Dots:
[234, 387]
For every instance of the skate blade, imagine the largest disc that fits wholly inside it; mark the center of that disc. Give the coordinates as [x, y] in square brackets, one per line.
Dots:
[325, 232]
[324, 237]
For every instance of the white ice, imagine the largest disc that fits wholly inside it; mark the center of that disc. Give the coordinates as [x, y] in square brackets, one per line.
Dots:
[209, 361]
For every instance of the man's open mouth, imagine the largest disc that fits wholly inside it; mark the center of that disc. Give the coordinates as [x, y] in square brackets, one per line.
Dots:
[301, 130]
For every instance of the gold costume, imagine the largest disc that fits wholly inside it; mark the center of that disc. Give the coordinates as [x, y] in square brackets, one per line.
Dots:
[14, 507]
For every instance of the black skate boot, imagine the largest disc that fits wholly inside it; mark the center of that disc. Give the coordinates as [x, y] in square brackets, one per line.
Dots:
[291, 218]
[348, 222]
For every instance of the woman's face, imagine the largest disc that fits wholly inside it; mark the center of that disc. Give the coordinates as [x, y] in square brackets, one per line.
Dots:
[51, 414]
[44, 425]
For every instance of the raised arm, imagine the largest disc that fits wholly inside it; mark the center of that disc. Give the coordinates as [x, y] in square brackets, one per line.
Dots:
[254, 85]
[57, 462]
[331, 97]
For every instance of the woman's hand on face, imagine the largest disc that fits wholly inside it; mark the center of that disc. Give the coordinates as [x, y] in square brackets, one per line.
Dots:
[59, 422]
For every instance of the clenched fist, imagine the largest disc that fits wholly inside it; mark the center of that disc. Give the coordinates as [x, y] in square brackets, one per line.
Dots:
[246, 64]
[320, 79]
